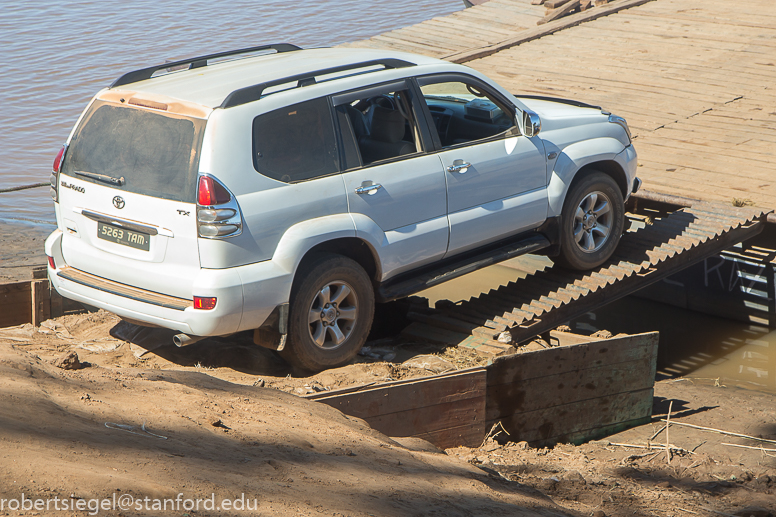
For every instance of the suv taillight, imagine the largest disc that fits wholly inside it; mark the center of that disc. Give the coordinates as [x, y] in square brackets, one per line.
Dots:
[204, 304]
[54, 180]
[218, 214]
[211, 192]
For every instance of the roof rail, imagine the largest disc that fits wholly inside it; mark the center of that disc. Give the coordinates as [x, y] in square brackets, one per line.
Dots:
[197, 62]
[255, 92]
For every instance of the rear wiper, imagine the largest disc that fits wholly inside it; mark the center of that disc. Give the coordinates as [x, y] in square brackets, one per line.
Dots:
[101, 177]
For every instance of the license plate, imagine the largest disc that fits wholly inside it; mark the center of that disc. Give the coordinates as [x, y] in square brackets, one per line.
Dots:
[133, 239]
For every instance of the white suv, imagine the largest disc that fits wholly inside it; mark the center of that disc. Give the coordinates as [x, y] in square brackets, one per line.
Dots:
[287, 191]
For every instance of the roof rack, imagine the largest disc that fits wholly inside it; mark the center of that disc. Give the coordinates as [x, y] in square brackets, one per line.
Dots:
[255, 92]
[197, 62]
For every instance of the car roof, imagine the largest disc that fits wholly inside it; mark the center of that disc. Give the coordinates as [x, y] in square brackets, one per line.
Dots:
[210, 85]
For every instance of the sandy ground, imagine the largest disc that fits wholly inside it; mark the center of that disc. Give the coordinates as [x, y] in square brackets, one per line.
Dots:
[704, 478]
[97, 431]
[221, 417]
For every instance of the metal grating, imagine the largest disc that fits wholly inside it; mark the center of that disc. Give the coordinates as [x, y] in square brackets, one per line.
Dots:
[540, 302]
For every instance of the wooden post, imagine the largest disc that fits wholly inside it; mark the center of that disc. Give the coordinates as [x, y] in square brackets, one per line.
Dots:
[39, 272]
[41, 301]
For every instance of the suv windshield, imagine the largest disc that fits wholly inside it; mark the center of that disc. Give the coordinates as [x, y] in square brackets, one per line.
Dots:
[137, 150]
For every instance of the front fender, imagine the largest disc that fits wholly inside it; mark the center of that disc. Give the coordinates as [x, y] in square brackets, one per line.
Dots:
[573, 158]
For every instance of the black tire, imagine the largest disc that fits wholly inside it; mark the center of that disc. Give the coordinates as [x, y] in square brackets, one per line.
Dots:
[349, 310]
[583, 245]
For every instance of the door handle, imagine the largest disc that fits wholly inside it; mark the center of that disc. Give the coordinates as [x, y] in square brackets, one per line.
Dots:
[460, 168]
[369, 189]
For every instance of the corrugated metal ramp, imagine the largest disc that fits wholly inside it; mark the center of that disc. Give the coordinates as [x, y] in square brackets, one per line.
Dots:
[551, 297]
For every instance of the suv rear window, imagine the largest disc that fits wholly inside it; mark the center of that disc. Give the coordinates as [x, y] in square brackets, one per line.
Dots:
[295, 143]
[156, 153]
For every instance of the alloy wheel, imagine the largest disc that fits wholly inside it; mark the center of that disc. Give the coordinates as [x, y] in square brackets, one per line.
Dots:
[332, 316]
[593, 222]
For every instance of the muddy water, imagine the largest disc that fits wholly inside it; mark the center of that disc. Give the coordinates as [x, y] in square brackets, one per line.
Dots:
[56, 55]
[697, 347]
[703, 348]
[483, 280]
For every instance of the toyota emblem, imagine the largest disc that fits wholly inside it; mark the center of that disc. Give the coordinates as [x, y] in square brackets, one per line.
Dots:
[118, 202]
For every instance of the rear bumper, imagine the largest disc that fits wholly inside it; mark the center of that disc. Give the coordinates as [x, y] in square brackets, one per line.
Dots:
[246, 295]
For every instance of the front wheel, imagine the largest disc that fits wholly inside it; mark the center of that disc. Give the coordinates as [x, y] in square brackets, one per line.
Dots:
[592, 222]
[332, 306]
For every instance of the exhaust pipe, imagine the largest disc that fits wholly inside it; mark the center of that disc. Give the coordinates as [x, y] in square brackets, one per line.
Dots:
[185, 339]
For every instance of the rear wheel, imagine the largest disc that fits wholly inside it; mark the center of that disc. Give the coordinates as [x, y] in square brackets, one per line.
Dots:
[592, 222]
[332, 305]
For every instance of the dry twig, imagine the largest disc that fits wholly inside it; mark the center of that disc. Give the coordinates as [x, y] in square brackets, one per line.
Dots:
[749, 447]
[652, 447]
[490, 433]
[668, 424]
[722, 432]
[657, 433]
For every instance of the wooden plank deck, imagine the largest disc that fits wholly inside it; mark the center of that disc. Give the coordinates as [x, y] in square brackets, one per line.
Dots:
[695, 79]
[489, 23]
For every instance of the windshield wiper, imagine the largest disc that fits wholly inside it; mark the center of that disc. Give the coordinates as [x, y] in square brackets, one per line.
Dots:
[102, 177]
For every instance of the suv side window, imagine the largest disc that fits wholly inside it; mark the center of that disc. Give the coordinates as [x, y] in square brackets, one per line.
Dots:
[295, 143]
[378, 125]
[463, 111]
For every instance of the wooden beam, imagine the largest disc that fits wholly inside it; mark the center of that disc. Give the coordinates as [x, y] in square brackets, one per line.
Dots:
[578, 419]
[554, 4]
[565, 388]
[436, 420]
[447, 410]
[560, 12]
[552, 361]
[399, 396]
[41, 302]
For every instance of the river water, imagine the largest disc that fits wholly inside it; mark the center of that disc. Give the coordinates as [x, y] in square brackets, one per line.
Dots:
[56, 55]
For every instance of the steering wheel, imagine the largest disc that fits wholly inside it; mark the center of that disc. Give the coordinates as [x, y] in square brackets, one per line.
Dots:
[384, 101]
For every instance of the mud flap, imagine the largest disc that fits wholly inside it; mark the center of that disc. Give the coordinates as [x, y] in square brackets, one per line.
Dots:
[273, 333]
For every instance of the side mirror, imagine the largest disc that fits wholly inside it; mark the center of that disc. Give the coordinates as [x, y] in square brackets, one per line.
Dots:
[532, 124]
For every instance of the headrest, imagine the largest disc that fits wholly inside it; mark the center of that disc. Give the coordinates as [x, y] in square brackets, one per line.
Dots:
[387, 125]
